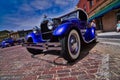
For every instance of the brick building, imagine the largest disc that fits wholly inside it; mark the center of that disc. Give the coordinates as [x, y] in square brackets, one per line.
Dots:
[19, 34]
[4, 34]
[105, 12]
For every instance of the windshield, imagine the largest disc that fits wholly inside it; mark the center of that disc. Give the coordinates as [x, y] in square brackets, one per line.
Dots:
[72, 15]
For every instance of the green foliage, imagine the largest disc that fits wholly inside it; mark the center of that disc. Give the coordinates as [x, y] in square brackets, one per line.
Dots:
[4, 34]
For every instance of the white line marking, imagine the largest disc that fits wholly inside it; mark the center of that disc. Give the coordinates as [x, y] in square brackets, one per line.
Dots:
[103, 70]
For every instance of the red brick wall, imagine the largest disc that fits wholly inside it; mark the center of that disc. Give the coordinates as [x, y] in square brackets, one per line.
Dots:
[96, 4]
[83, 3]
[109, 21]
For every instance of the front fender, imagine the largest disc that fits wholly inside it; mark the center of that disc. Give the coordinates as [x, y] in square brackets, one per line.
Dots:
[35, 37]
[62, 29]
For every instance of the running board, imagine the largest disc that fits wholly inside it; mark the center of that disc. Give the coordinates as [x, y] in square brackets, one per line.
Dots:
[43, 46]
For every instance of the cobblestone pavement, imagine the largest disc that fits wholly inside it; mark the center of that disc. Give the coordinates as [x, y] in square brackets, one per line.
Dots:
[17, 64]
[96, 62]
[114, 58]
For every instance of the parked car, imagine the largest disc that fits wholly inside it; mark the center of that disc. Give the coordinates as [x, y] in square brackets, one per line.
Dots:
[65, 33]
[7, 42]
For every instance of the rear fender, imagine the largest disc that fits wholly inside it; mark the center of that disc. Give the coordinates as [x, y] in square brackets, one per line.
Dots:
[90, 34]
[64, 29]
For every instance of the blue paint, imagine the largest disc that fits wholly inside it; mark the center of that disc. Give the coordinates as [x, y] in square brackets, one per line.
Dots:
[36, 37]
[89, 34]
[7, 42]
[64, 28]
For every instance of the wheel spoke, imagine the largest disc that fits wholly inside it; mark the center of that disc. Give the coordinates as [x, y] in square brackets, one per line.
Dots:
[73, 44]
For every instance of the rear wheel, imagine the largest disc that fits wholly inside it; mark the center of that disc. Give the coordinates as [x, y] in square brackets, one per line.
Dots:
[33, 51]
[71, 46]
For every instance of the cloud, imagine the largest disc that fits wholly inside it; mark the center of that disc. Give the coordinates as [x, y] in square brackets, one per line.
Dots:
[66, 5]
[41, 4]
[21, 23]
[26, 7]
[66, 2]
[62, 3]
[28, 13]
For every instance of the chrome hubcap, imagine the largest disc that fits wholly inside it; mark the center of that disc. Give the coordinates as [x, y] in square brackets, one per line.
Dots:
[74, 44]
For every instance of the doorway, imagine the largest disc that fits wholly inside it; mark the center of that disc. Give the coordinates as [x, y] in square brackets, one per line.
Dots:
[99, 24]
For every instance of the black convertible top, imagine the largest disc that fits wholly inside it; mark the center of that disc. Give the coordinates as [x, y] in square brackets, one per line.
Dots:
[82, 14]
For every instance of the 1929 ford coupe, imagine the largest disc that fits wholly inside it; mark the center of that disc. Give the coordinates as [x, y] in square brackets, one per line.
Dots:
[65, 33]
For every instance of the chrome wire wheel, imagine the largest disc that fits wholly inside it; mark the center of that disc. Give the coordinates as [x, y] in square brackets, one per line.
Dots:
[71, 45]
[74, 44]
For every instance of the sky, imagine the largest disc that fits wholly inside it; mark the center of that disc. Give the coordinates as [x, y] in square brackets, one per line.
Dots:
[25, 14]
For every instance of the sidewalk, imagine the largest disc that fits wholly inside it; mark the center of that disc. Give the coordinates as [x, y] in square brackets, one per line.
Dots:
[112, 38]
[115, 35]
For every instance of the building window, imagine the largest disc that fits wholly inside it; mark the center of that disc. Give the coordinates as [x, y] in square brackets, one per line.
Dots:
[97, 0]
[91, 3]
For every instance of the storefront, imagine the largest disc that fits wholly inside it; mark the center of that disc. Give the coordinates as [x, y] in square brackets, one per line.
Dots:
[107, 17]
[118, 15]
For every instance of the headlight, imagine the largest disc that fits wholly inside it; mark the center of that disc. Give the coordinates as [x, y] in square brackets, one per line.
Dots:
[50, 24]
[35, 32]
[35, 29]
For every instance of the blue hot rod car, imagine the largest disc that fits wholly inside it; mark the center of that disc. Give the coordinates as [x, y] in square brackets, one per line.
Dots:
[65, 33]
[7, 42]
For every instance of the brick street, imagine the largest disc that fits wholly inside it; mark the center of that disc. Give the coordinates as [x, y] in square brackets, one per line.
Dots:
[18, 64]
[86, 31]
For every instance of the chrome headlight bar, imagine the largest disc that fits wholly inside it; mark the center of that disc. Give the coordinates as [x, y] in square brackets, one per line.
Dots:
[50, 24]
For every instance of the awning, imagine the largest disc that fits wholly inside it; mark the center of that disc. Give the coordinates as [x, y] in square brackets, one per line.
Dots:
[111, 6]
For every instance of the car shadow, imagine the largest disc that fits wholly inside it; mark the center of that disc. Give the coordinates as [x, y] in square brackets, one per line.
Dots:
[84, 52]
[59, 59]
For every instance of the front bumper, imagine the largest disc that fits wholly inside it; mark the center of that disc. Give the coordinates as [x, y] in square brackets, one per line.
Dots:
[43, 46]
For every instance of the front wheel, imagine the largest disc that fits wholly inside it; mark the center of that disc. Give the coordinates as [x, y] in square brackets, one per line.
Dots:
[71, 46]
[33, 51]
